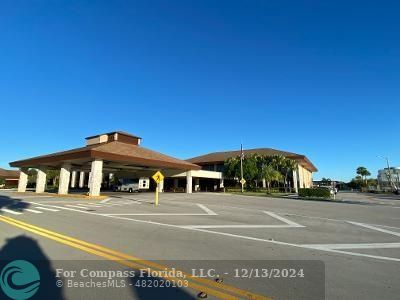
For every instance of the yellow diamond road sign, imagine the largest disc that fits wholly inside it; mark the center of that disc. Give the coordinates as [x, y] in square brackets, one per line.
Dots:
[242, 181]
[158, 177]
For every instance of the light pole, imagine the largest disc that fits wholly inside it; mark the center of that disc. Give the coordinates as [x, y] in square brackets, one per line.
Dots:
[241, 167]
[388, 174]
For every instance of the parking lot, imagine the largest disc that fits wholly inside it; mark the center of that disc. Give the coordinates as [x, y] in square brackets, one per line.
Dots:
[357, 240]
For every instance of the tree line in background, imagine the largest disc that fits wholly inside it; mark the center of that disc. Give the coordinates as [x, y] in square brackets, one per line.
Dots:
[359, 182]
[256, 168]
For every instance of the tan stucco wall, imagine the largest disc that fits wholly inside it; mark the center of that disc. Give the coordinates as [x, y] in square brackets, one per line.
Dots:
[96, 140]
[305, 177]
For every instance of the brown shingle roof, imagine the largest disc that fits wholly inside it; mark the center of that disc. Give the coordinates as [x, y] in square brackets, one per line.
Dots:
[9, 174]
[141, 155]
[218, 157]
[114, 151]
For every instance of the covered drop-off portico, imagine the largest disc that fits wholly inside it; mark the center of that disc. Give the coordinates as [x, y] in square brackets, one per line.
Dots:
[104, 155]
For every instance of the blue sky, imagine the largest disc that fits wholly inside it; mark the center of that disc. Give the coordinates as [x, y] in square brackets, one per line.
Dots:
[191, 77]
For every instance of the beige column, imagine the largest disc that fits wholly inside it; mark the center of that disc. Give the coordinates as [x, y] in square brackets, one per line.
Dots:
[81, 179]
[96, 175]
[300, 176]
[41, 180]
[295, 182]
[73, 179]
[23, 180]
[189, 182]
[197, 184]
[65, 173]
[161, 186]
[221, 183]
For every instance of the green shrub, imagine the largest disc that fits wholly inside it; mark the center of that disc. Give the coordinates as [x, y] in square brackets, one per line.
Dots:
[315, 193]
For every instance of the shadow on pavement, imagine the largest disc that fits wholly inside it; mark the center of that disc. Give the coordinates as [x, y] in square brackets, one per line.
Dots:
[12, 203]
[27, 249]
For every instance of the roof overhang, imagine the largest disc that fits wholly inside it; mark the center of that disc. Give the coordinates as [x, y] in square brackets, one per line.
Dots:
[85, 156]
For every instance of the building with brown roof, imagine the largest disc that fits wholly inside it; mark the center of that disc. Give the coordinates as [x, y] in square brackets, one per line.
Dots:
[302, 177]
[106, 153]
[10, 177]
[120, 153]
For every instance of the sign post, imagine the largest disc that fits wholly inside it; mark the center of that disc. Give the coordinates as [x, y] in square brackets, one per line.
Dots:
[242, 182]
[157, 177]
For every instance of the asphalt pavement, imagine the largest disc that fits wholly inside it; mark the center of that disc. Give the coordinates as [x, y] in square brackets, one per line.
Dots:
[346, 249]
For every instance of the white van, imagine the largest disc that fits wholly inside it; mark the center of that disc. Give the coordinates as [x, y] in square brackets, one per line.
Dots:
[133, 184]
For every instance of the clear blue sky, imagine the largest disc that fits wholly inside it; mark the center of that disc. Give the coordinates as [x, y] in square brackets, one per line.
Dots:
[190, 77]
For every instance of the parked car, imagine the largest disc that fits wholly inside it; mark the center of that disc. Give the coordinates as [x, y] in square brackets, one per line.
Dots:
[132, 184]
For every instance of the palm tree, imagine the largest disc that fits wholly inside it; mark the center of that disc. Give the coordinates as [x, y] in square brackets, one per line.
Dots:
[364, 173]
[232, 167]
[269, 173]
[289, 166]
[278, 163]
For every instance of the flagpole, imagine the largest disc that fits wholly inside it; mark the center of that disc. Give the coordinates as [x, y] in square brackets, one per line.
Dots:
[241, 165]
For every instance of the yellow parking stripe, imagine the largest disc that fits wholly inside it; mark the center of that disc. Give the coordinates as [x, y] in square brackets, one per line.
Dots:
[138, 263]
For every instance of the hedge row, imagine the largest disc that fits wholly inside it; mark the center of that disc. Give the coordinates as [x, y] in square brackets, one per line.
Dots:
[315, 193]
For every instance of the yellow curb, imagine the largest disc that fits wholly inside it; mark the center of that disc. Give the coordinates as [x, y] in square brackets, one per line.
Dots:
[80, 196]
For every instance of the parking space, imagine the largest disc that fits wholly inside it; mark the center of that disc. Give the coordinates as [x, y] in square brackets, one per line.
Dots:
[217, 214]
[263, 224]
[361, 239]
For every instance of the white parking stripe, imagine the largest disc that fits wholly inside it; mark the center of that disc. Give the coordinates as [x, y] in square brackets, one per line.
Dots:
[90, 205]
[33, 211]
[295, 245]
[354, 246]
[239, 226]
[291, 223]
[75, 206]
[10, 211]
[45, 208]
[335, 220]
[105, 200]
[207, 210]
[36, 196]
[376, 228]
[157, 214]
